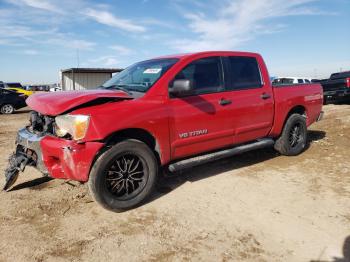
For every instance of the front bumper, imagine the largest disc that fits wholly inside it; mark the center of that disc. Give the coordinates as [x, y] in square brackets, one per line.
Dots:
[26, 140]
[57, 157]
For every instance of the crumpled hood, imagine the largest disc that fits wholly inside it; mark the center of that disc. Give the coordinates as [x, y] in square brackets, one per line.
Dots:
[53, 104]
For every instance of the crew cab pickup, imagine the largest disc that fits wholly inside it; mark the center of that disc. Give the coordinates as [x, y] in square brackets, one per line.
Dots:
[162, 114]
[337, 87]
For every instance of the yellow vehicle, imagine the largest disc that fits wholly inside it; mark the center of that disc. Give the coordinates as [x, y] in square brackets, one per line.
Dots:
[20, 90]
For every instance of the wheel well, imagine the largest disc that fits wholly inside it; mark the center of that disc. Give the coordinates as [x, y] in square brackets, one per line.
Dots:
[138, 134]
[297, 110]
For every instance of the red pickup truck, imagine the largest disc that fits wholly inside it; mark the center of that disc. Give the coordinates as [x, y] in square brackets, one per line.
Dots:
[165, 113]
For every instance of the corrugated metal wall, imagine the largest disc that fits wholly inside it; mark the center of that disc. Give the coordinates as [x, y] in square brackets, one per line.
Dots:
[84, 80]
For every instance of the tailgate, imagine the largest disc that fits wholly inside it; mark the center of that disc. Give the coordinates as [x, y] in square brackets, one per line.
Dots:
[333, 85]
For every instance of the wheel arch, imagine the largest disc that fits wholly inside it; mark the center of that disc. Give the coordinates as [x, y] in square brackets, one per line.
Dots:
[282, 120]
[301, 110]
[137, 134]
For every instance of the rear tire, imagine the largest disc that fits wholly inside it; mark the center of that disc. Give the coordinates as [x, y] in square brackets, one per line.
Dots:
[294, 136]
[7, 109]
[124, 176]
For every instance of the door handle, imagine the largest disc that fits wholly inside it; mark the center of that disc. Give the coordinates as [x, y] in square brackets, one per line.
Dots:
[265, 96]
[224, 102]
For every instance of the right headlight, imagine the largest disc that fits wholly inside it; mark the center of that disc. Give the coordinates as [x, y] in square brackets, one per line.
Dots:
[74, 125]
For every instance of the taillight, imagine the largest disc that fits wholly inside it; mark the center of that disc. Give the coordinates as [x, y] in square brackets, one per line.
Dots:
[348, 82]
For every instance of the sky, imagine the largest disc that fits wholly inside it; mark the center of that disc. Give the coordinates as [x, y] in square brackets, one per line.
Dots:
[38, 38]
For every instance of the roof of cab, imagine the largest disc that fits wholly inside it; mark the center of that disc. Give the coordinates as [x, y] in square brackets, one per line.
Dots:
[209, 53]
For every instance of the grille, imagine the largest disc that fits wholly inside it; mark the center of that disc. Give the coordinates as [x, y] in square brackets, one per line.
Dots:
[41, 124]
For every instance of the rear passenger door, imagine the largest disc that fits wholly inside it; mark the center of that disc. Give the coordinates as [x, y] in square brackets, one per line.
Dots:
[252, 98]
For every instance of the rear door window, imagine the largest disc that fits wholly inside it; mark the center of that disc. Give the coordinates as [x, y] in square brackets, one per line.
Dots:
[300, 81]
[244, 73]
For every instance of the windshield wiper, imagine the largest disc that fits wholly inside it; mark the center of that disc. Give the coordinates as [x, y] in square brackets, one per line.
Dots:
[119, 87]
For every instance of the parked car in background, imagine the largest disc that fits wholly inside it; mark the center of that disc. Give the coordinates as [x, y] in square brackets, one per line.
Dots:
[291, 80]
[337, 87]
[39, 88]
[18, 88]
[11, 101]
[14, 85]
[156, 113]
[315, 80]
[55, 89]
[20, 91]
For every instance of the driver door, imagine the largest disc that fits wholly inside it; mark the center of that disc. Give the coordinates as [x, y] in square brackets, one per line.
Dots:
[199, 121]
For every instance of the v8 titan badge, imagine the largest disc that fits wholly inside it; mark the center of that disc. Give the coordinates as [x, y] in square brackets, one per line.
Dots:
[194, 133]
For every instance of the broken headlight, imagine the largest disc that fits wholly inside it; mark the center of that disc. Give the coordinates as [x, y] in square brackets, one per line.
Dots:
[74, 125]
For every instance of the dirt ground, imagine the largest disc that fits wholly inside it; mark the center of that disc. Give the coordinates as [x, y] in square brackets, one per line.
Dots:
[258, 206]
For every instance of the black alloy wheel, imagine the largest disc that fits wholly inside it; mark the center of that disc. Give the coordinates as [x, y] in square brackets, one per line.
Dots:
[295, 135]
[293, 139]
[126, 176]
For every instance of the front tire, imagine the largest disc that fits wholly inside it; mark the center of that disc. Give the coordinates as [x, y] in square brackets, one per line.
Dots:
[7, 109]
[294, 136]
[124, 176]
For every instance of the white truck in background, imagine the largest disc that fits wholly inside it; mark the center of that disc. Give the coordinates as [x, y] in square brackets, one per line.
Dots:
[292, 80]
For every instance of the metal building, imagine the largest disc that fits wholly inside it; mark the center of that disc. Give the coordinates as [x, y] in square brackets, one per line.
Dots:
[85, 78]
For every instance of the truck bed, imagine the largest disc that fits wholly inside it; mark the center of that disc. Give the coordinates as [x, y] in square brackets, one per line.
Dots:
[308, 96]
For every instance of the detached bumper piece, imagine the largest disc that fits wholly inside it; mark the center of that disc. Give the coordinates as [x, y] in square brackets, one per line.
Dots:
[27, 153]
[17, 162]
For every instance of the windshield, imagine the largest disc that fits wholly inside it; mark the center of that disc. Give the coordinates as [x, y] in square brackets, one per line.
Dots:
[141, 76]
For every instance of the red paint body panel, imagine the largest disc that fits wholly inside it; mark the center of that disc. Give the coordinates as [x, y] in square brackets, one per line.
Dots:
[68, 160]
[310, 96]
[60, 102]
[248, 118]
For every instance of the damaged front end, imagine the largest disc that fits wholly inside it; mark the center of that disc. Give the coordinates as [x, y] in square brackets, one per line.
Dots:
[39, 146]
[28, 150]
[42, 144]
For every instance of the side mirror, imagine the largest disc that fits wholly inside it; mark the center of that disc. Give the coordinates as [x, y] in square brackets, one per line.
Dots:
[181, 87]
